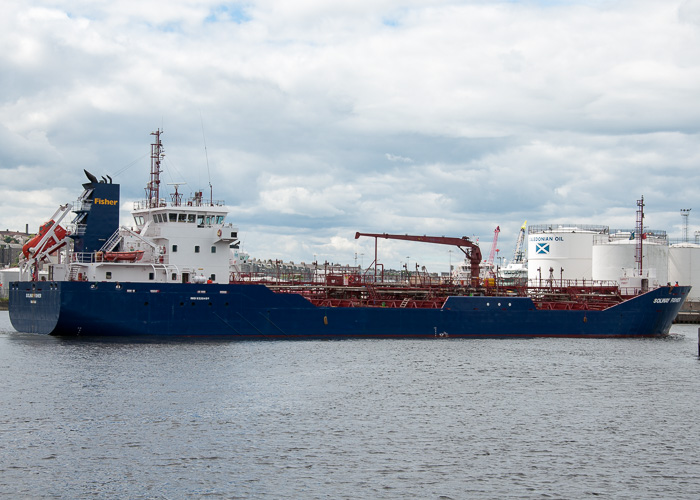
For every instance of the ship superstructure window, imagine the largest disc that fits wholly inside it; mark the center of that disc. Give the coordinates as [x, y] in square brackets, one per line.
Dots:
[200, 220]
[196, 249]
[190, 217]
[219, 219]
[174, 248]
[182, 217]
[151, 276]
[213, 277]
[234, 234]
[174, 277]
[108, 275]
[138, 219]
[213, 249]
[172, 217]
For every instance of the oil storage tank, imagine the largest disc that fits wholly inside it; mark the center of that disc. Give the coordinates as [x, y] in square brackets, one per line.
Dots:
[565, 249]
[614, 257]
[684, 267]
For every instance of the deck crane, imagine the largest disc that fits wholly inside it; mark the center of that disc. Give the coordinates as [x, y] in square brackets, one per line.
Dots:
[473, 253]
[519, 254]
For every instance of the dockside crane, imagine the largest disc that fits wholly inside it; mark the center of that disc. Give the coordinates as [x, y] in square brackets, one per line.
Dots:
[471, 250]
[493, 245]
[519, 254]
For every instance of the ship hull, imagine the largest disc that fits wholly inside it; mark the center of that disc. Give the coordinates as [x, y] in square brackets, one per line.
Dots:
[249, 311]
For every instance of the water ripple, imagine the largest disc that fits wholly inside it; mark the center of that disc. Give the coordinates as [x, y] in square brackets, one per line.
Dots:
[545, 418]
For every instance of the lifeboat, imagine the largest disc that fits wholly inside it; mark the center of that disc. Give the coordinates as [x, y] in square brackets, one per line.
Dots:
[59, 234]
[133, 256]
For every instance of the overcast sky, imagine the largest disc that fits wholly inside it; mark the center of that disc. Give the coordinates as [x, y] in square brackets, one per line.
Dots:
[323, 118]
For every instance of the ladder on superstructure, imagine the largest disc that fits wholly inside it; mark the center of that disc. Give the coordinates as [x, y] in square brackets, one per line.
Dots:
[112, 242]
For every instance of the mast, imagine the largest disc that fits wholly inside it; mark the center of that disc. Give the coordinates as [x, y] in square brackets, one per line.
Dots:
[153, 187]
[640, 235]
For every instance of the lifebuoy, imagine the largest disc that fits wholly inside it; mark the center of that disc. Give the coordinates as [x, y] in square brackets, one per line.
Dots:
[218, 233]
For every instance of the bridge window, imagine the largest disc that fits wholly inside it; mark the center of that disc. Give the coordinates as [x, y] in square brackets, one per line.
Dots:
[200, 220]
[190, 217]
[219, 219]
[182, 217]
[172, 217]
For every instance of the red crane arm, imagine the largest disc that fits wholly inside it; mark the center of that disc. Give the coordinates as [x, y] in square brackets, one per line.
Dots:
[474, 253]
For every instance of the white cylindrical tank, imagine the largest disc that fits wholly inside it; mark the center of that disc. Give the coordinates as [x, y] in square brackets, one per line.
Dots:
[684, 267]
[567, 250]
[614, 257]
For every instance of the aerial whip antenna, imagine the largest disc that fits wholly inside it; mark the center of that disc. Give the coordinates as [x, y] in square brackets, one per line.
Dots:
[206, 156]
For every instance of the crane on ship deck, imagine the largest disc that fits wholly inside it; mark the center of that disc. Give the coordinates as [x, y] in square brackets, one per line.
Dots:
[471, 250]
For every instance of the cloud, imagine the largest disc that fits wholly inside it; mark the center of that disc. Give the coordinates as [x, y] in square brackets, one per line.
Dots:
[396, 158]
[321, 119]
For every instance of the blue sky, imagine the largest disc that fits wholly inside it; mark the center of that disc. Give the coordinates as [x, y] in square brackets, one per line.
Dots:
[326, 118]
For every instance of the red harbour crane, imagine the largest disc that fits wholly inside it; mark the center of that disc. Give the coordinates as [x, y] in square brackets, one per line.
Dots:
[493, 245]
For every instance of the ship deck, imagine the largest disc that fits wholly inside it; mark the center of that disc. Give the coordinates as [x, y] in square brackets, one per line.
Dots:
[355, 291]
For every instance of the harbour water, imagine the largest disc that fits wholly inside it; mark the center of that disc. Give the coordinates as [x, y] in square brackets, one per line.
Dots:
[443, 419]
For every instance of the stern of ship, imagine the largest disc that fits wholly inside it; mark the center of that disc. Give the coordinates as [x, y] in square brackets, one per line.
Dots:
[35, 306]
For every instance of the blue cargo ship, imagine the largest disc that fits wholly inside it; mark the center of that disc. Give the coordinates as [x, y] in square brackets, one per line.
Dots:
[170, 275]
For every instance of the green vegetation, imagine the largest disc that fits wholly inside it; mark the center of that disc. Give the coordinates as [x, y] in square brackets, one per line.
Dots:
[4, 303]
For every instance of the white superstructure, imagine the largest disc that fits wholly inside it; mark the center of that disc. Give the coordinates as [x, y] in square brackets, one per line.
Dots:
[176, 242]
